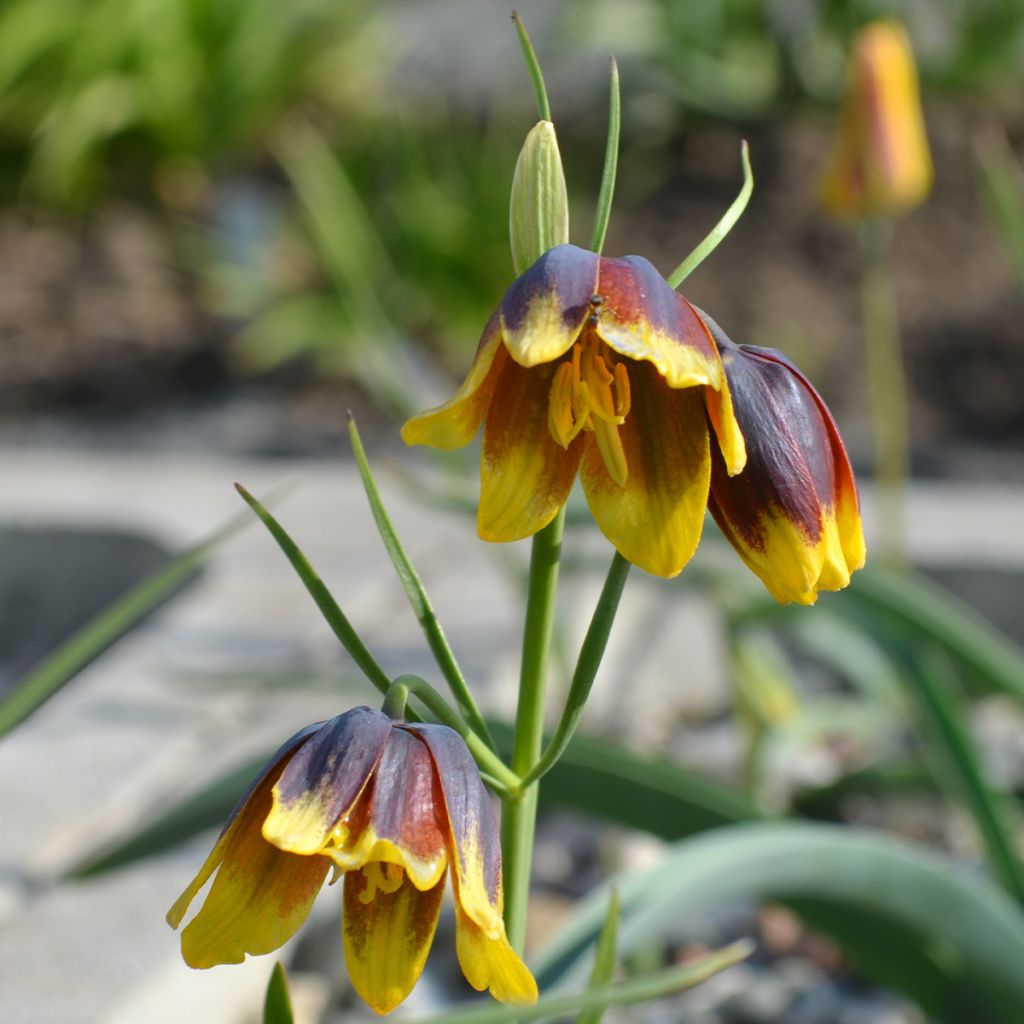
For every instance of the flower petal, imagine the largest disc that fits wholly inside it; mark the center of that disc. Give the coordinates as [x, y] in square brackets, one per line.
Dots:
[269, 774]
[400, 818]
[655, 520]
[259, 898]
[793, 514]
[721, 414]
[545, 309]
[643, 318]
[476, 859]
[324, 778]
[525, 475]
[387, 939]
[491, 963]
[454, 424]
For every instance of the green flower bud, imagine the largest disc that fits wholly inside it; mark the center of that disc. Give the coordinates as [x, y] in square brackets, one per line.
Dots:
[539, 208]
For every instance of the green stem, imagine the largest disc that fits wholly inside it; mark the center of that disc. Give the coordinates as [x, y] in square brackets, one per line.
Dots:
[588, 663]
[887, 392]
[506, 782]
[533, 67]
[520, 811]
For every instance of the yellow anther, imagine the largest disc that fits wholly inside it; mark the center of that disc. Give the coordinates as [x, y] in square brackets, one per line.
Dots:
[587, 394]
[609, 444]
[622, 394]
[561, 421]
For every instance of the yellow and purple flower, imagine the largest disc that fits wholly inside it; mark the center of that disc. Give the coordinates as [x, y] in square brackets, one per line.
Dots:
[793, 514]
[391, 806]
[880, 163]
[594, 365]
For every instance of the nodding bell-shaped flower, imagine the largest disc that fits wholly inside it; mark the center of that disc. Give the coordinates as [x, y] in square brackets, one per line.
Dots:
[793, 514]
[879, 162]
[393, 808]
[597, 366]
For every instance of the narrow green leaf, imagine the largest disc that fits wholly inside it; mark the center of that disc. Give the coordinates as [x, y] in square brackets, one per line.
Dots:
[923, 609]
[277, 1007]
[533, 68]
[910, 899]
[604, 958]
[611, 162]
[415, 592]
[932, 687]
[587, 664]
[717, 234]
[623, 993]
[329, 608]
[61, 666]
[208, 808]
[1002, 181]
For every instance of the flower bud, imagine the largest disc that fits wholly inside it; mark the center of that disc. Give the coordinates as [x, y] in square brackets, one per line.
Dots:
[539, 207]
[879, 162]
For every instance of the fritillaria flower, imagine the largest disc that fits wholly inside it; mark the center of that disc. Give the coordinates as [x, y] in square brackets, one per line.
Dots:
[879, 162]
[793, 513]
[394, 808]
[594, 365]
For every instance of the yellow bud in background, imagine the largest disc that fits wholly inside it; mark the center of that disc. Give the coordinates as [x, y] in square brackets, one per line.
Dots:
[539, 208]
[880, 163]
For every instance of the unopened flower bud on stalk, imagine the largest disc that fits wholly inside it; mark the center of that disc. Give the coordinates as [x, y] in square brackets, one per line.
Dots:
[880, 163]
[539, 207]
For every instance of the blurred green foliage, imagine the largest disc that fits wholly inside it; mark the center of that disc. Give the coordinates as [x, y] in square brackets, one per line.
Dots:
[327, 203]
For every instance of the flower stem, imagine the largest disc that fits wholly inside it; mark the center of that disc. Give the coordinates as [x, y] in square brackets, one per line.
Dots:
[520, 814]
[587, 664]
[887, 391]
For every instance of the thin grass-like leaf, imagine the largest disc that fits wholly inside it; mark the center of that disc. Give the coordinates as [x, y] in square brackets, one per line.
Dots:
[604, 958]
[611, 162]
[415, 592]
[87, 643]
[921, 608]
[717, 234]
[942, 714]
[277, 1006]
[623, 993]
[317, 589]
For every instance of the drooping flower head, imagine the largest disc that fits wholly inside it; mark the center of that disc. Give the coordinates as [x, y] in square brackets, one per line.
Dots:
[594, 365]
[879, 162]
[793, 514]
[394, 808]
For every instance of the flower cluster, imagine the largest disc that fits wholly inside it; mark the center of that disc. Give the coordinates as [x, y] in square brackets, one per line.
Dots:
[596, 366]
[393, 808]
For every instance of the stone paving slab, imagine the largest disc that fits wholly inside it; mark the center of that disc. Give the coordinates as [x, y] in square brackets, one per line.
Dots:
[193, 691]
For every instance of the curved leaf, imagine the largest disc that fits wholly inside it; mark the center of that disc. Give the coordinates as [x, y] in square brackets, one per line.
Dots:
[883, 900]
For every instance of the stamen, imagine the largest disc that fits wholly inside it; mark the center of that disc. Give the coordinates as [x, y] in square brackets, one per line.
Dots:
[609, 444]
[560, 406]
[623, 397]
[591, 392]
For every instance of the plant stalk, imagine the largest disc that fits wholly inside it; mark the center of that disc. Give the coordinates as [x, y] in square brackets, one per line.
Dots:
[520, 813]
[887, 391]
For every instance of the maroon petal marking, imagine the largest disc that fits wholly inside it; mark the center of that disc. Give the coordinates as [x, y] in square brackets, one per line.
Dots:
[477, 854]
[335, 763]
